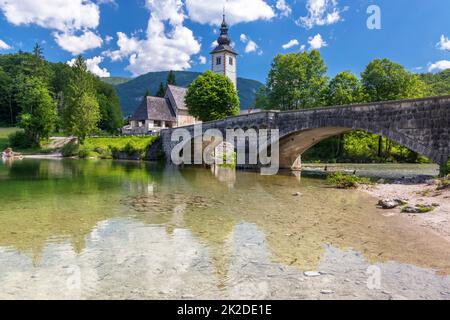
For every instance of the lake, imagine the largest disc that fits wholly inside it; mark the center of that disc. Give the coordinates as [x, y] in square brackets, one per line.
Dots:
[75, 229]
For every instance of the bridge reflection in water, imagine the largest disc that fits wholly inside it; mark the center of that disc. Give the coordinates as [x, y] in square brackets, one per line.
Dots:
[139, 230]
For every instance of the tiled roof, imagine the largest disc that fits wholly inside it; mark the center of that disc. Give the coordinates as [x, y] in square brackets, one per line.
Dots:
[154, 108]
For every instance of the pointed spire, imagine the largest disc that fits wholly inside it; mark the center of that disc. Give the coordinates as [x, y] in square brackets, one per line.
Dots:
[224, 39]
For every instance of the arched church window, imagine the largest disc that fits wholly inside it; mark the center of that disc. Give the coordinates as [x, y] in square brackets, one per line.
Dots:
[218, 60]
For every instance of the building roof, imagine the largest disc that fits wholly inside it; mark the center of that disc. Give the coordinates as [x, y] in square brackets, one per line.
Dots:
[154, 108]
[176, 96]
[224, 41]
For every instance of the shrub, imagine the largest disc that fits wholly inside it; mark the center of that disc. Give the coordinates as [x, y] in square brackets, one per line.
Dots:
[444, 183]
[70, 149]
[20, 140]
[342, 181]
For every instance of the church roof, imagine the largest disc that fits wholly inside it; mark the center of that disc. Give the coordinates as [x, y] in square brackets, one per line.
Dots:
[154, 108]
[176, 95]
[224, 41]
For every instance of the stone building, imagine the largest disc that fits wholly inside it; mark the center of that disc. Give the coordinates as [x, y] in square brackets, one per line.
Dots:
[155, 114]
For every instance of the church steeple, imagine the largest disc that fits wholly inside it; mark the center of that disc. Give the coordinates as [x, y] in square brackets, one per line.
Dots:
[224, 39]
[224, 56]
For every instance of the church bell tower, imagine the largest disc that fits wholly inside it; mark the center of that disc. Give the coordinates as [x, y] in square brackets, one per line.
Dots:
[224, 57]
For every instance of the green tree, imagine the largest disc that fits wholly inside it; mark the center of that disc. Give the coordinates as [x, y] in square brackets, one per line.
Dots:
[147, 93]
[38, 116]
[161, 91]
[384, 80]
[81, 113]
[111, 118]
[212, 97]
[6, 112]
[171, 79]
[297, 81]
[262, 101]
[345, 88]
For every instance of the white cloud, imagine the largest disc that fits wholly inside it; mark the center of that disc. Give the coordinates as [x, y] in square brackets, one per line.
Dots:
[66, 17]
[302, 47]
[61, 15]
[202, 60]
[93, 66]
[444, 44]
[317, 42]
[251, 46]
[214, 44]
[284, 8]
[290, 44]
[237, 11]
[321, 13]
[439, 66]
[78, 44]
[108, 39]
[161, 49]
[4, 45]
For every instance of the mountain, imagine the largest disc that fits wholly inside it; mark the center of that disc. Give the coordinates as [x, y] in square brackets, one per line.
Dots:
[439, 83]
[116, 80]
[132, 91]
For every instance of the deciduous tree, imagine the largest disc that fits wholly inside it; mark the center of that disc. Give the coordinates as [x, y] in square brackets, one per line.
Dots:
[212, 97]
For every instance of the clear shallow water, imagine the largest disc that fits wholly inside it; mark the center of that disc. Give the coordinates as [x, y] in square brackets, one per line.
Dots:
[104, 230]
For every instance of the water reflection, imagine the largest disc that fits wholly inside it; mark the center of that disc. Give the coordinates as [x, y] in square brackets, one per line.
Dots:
[136, 230]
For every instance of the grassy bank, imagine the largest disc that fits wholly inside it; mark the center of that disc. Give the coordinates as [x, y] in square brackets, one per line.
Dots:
[108, 148]
[44, 147]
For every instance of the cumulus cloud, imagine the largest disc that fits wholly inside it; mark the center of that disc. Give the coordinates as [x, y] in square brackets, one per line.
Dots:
[214, 44]
[321, 13]
[66, 17]
[202, 60]
[316, 42]
[93, 66]
[290, 44]
[237, 11]
[251, 45]
[284, 8]
[168, 44]
[4, 45]
[444, 44]
[439, 66]
[78, 44]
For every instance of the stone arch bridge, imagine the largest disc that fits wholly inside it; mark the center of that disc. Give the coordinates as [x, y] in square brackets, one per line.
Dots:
[422, 125]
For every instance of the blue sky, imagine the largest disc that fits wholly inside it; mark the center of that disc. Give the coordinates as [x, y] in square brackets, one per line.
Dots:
[132, 37]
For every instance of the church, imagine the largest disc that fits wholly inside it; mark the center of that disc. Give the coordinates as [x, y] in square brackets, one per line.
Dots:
[155, 114]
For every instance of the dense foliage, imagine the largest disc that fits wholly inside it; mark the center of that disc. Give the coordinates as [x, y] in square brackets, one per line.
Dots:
[212, 97]
[35, 94]
[297, 81]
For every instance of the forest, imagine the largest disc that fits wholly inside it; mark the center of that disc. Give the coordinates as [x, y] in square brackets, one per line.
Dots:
[45, 98]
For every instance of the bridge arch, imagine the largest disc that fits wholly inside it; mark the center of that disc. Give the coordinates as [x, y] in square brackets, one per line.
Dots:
[294, 144]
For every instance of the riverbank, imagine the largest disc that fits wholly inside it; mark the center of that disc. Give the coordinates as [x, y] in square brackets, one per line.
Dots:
[418, 194]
